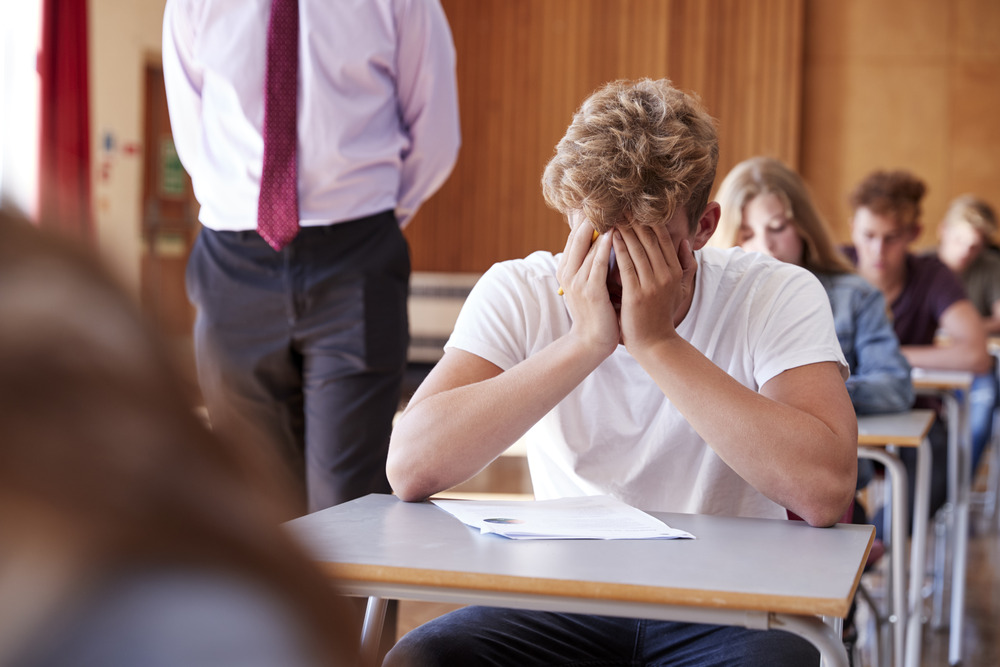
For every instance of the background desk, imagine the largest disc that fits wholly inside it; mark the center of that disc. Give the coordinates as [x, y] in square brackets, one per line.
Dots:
[875, 434]
[953, 388]
[755, 573]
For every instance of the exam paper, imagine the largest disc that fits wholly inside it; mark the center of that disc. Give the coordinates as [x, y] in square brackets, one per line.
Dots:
[584, 518]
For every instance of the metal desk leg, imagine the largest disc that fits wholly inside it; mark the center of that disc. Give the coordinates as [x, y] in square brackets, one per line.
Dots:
[371, 631]
[830, 645]
[896, 473]
[961, 458]
[918, 554]
[942, 524]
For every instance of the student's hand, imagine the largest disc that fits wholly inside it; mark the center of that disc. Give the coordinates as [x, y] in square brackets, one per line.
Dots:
[582, 274]
[657, 281]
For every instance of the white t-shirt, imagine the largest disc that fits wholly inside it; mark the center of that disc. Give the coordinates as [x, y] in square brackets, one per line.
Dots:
[616, 433]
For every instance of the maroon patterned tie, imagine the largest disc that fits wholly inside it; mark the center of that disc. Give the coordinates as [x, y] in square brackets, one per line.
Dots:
[278, 206]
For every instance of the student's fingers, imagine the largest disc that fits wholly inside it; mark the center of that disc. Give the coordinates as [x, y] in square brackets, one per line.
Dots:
[576, 250]
[571, 258]
[665, 266]
[588, 300]
[623, 256]
[664, 250]
[636, 249]
[599, 259]
[592, 276]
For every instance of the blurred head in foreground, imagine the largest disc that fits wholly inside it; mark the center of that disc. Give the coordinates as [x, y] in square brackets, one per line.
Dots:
[121, 511]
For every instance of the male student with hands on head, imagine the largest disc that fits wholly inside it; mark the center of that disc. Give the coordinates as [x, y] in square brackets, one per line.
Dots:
[640, 365]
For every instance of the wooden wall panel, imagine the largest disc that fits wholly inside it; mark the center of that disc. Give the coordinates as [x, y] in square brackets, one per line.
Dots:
[524, 66]
[911, 84]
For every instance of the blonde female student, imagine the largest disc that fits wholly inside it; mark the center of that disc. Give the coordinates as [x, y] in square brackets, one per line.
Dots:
[767, 208]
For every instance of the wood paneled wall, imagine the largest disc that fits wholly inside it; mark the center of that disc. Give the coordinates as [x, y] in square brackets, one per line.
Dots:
[911, 84]
[524, 66]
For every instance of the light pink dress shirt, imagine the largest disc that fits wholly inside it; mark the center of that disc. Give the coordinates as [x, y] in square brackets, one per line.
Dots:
[378, 124]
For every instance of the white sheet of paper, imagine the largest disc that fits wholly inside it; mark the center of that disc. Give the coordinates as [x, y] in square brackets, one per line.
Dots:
[587, 518]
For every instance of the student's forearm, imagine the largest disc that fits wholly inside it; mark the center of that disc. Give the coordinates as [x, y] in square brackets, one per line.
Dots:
[953, 357]
[790, 455]
[448, 437]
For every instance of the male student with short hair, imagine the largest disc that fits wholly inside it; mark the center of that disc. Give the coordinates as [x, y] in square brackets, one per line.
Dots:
[640, 365]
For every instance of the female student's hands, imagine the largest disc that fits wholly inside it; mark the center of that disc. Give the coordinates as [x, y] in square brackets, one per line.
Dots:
[582, 274]
[657, 283]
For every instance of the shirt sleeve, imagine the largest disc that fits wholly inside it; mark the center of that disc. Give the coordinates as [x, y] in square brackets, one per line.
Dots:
[792, 325]
[880, 380]
[494, 321]
[428, 100]
[182, 78]
[944, 288]
[991, 281]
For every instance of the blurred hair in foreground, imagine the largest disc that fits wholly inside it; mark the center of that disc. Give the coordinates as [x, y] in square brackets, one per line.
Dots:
[127, 524]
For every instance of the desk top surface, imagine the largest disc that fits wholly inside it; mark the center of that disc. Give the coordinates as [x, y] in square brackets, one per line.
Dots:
[734, 563]
[927, 378]
[905, 429]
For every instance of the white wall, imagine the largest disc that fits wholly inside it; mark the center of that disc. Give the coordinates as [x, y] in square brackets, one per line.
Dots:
[123, 36]
[20, 32]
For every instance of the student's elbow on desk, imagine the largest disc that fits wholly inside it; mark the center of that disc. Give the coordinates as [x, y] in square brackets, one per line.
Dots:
[408, 495]
[407, 489]
[406, 479]
[822, 487]
[823, 514]
[417, 468]
[827, 500]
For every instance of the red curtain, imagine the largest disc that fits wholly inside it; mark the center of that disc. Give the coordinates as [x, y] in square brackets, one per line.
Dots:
[64, 151]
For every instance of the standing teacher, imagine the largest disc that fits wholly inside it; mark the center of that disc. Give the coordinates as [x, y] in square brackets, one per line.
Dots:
[301, 272]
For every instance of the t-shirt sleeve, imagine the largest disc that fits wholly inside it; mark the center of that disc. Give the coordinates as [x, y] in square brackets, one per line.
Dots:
[944, 289]
[494, 319]
[991, 282]
[793, 326]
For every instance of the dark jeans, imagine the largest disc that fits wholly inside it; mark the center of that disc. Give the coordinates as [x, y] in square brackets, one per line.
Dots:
[487, 636]
[307, 346]
[982, 401]
[938, 437]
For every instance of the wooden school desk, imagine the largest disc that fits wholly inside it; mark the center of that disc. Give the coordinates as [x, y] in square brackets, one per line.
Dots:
[953, 388]
[757, 573]
[875, 434]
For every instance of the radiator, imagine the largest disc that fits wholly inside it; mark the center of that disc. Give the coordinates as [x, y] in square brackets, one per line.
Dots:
[435, 300]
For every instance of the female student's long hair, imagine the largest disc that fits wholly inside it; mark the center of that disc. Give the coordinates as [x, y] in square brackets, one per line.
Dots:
[103, 457]
[763, 175]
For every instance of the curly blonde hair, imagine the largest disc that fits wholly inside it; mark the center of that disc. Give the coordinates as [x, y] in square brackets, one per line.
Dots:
[635, 151]
[765, 175]
[973, 211]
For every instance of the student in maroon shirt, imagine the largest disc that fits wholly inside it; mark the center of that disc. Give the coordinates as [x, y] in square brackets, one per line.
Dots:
[927, 300]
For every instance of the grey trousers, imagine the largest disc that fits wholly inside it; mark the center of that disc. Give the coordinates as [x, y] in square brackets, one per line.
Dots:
[307, 345]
